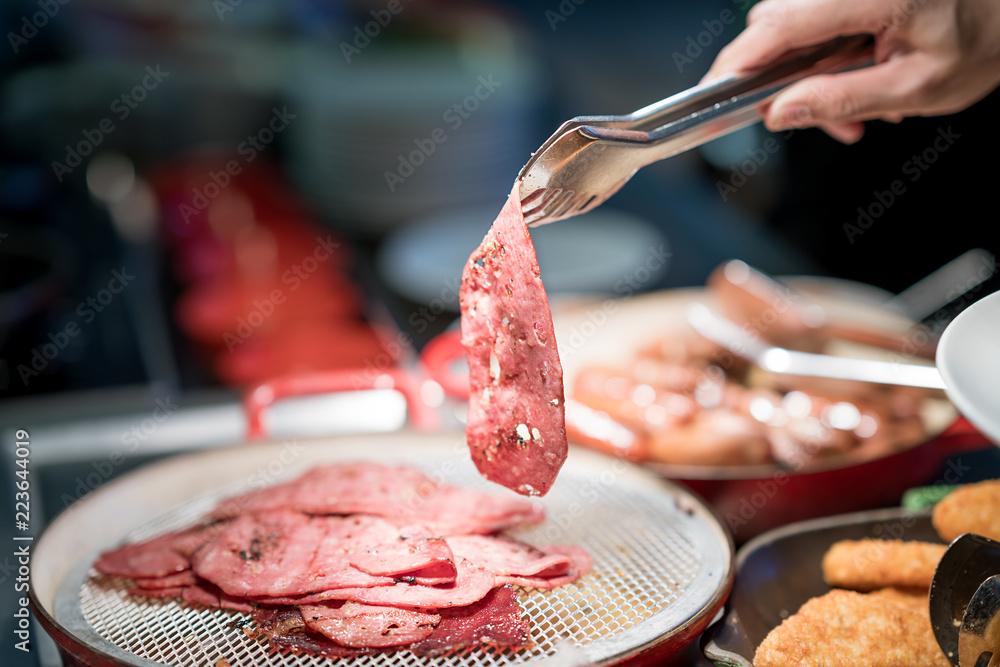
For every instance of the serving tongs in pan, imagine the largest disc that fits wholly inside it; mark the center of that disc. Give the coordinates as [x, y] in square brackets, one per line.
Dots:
[589, 158]
[781, 361]
[965, 602]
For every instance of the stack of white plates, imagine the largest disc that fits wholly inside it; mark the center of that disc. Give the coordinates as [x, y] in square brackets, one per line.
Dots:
[362, 145]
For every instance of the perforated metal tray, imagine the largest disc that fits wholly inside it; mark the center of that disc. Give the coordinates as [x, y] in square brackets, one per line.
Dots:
[663, 564]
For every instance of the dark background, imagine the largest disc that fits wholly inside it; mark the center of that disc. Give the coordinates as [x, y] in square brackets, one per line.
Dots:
[232, 65]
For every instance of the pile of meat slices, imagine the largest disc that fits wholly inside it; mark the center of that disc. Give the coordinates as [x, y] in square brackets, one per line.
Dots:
[354, 558]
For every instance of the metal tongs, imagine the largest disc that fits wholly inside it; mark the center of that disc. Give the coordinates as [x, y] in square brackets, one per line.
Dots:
[781, 361]
[589, 158]
[965, 602]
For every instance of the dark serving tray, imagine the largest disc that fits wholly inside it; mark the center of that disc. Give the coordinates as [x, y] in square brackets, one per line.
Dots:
[777, 572]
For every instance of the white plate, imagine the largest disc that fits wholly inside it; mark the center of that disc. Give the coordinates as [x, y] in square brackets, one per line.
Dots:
[968, 357]
[590, 254]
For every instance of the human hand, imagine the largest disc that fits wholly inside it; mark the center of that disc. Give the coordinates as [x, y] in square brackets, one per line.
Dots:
[932, 57]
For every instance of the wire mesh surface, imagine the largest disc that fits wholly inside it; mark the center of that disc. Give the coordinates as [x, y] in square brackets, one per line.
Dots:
[645, 559]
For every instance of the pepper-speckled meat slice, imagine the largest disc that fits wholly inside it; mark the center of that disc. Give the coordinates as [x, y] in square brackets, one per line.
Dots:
[516, 427]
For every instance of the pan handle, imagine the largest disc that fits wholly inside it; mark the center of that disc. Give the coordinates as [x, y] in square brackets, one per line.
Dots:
[262, 396]
[438, 359]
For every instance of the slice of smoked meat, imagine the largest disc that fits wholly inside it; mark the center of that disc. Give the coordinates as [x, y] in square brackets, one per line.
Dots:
[516, 428]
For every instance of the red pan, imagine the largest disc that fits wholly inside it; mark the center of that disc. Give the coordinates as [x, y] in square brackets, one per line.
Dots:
[750, 499]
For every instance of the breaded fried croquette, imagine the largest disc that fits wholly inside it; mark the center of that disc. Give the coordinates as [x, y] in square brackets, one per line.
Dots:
[865, 565]
[972, 508]
[848, 629]
[911, 598]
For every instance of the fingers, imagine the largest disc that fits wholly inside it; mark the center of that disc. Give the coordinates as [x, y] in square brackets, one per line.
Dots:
[847, 133]
[777, 26]
[881, 91]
